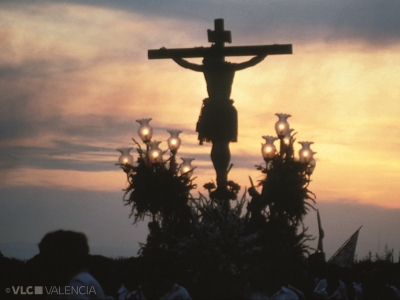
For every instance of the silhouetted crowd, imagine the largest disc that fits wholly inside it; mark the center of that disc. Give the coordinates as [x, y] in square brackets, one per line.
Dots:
[64, 269]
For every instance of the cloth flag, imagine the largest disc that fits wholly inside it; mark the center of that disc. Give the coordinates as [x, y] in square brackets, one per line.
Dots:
[344, 257]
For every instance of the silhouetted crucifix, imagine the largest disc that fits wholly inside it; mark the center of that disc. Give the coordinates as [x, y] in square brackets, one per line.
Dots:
[218, 119]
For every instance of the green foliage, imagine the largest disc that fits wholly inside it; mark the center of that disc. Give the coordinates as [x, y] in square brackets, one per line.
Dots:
[216, 243]
[285, 193]
[156, 189]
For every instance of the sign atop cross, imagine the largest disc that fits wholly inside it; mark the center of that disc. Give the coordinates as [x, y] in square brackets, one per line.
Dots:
[220, 36]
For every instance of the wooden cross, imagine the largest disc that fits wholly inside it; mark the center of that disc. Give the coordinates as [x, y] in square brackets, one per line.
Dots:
[219, 36]
[219, 77]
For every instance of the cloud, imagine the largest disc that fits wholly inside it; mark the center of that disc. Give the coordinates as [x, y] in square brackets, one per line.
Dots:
[371, 22]
[62, 156]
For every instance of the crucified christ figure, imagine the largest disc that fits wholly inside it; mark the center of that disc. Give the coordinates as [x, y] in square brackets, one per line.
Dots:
[218, 119]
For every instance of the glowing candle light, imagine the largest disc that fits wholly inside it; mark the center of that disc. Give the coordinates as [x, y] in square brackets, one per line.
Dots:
[282, 126]
[154, 153]
[268, 150]
[145, 131]
[305, 153]
[126, 157]
[174, 142]
[186, 167]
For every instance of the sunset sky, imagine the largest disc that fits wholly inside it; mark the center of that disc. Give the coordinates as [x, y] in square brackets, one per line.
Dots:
[74, 78]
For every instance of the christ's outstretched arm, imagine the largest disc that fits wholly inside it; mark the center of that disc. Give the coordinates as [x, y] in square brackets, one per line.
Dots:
[188, 65]
[252, 62]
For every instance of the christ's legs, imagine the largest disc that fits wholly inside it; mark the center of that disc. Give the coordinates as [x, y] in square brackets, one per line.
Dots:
[221, 157]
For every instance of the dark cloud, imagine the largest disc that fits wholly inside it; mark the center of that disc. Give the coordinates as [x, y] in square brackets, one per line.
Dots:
[86, 152]
[59, 157]
[26, 87]
[59, 152]
[375, 23]
[89, 127]
[44, 68]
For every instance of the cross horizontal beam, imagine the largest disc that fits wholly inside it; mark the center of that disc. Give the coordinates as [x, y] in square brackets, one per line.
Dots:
[225, 51]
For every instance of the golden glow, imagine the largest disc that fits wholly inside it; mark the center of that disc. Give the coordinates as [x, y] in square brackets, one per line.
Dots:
[186, 169]
[145, 131]
[268, 149]
[155, 154]
[338, 104]
[173, 142]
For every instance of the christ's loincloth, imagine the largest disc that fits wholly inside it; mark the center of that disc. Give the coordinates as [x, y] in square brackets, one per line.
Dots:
[218, 121]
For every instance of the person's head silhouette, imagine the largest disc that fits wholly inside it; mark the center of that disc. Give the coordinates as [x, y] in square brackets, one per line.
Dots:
[63, 254]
